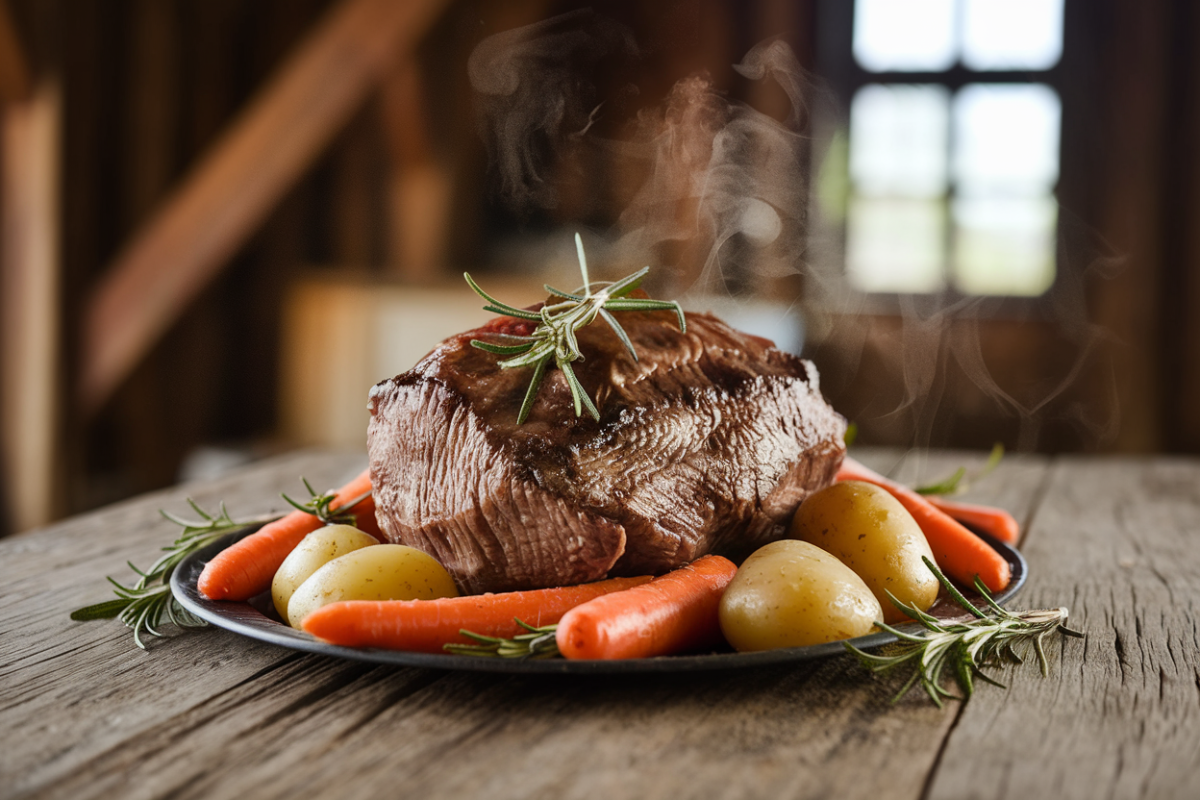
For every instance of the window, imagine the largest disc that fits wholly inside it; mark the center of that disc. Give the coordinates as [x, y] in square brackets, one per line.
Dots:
[952, 155]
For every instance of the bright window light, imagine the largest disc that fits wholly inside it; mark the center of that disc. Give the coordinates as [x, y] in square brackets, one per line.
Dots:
[899, 140]
[896, 245]
[905, 35]
[1006, 138]
[1011, 34]
[1004, 246]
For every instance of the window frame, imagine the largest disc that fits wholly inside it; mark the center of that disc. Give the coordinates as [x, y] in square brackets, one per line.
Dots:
[844, 77]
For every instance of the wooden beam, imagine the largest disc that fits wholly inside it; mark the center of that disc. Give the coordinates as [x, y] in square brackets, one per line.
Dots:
[29, 305]
[15, 81]
[229, 193]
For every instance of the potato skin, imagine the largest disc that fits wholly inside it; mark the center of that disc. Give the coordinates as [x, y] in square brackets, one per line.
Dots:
[870, 532]
[791, 594]
[314, 551]
[383, 572]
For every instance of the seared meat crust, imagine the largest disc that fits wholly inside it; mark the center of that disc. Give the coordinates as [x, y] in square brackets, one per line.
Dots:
[706, 444]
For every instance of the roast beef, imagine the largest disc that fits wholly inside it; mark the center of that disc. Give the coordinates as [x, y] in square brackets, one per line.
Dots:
[706, 444]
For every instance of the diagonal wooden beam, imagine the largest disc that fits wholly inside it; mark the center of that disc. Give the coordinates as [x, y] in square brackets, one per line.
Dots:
[228, 194]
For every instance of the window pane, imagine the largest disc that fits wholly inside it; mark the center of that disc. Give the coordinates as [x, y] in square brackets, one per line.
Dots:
[906, 35]
[898, 140]
[896, 245]
[1004, 246]
[1006, 138]
[1012, 34]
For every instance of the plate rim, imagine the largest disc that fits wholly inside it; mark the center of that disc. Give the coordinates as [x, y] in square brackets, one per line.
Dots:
[243, 619]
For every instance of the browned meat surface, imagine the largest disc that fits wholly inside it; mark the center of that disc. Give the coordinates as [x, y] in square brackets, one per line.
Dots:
[707, 444]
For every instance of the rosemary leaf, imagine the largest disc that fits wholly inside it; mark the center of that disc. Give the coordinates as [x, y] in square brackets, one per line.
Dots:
[147, 605]
[963, 648]
[959, 480]
[555, 338]
[535, 643]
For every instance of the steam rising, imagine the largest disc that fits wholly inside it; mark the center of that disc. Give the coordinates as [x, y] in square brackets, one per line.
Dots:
[704, 170]
[532, 97]
[717, 192]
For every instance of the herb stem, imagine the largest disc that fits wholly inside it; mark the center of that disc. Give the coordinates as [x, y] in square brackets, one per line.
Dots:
[558, 323]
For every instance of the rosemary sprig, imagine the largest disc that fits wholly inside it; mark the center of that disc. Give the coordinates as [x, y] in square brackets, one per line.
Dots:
[554, 338]
[964, 648]
[319, 505]
[534, 643]
[148, 603]
[959, 481]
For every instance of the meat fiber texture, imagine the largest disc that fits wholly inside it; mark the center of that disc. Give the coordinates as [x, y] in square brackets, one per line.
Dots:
[706, 444]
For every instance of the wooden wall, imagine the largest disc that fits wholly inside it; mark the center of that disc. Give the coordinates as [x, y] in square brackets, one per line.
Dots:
[147, 86]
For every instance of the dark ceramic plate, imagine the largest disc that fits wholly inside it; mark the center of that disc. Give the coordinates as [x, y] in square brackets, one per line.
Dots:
[257, 620]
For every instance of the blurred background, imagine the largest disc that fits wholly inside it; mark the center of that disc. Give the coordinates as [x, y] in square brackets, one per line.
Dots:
[224, 220]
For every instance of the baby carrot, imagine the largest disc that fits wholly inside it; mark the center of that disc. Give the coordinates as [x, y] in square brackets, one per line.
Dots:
[996, 521]
[425, 625]
[676, 612]
[959, 553]
[246, 568]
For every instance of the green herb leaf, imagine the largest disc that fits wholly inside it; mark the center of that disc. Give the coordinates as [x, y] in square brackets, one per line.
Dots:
[851, 434]
[534, 643]
[554, 339]
[321, 506]
[964, 648]
[147, 604]
[959, 481]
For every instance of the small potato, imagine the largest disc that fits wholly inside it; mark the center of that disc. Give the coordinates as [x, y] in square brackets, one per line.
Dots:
[870, 532]
[791, 594]
[314, 551]
[384, 572]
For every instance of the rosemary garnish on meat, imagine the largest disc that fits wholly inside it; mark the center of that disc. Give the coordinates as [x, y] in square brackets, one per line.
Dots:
[554, 337]
[964, 647]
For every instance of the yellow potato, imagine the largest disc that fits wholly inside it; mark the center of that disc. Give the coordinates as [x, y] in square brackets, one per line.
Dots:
[870, 532]
[384, 572]
[791, 594]
[314, 551]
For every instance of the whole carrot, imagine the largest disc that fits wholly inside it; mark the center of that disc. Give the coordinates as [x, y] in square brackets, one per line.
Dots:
[959, 553]
[246, 568]
[674, 613]
[996, 521]
[425, 625]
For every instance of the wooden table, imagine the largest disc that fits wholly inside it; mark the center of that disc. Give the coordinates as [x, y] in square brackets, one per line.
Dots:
[83, 713]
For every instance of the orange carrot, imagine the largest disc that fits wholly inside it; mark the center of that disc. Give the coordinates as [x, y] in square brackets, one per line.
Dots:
[425, 625]
[670, 614]
[246, 568]
[959, 553]
[989, 519]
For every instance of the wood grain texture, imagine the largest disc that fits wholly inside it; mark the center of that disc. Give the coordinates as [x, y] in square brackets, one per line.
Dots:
[86, 715]
[1118, 543]
[71, 692]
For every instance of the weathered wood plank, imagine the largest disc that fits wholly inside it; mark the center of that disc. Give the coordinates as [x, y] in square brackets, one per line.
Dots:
[71, 692]
[1116, 541]
[317, 727]
[280, 724]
